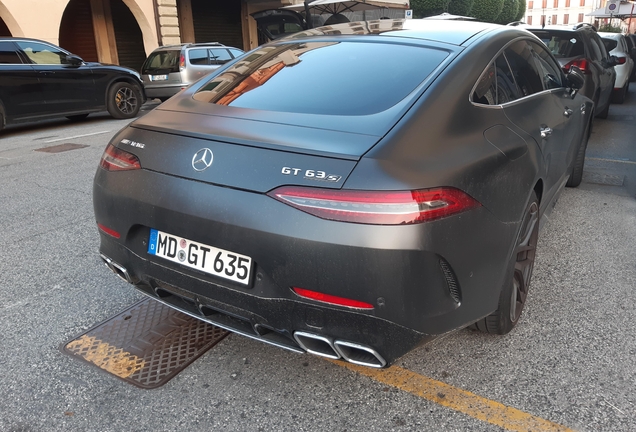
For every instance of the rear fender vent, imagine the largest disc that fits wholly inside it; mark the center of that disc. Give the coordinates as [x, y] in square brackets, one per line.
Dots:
[451, 281]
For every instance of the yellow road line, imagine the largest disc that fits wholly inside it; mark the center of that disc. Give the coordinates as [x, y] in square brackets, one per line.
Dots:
[457, 399]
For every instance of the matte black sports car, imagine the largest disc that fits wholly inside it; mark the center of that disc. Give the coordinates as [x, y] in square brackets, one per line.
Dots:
[39, 80]
[350, 191]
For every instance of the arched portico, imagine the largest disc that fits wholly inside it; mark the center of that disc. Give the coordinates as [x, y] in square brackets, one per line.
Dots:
[8, 23]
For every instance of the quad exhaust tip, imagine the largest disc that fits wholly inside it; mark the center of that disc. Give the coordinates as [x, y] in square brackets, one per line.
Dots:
[352, 352]
[118, 269]
[317, 345]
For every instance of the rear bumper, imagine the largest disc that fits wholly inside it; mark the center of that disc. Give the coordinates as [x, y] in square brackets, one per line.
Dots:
[164, 91]
[423, 280]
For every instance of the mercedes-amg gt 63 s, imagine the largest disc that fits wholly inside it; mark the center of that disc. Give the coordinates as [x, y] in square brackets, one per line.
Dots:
[350, 191]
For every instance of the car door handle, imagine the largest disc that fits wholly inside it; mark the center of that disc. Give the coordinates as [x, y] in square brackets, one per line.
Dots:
[546, 132]
[568, 112]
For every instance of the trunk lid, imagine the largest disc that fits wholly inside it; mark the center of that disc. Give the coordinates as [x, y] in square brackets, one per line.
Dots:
[243, 154]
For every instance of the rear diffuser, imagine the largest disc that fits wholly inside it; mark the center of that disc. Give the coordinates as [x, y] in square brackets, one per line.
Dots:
[146, 345]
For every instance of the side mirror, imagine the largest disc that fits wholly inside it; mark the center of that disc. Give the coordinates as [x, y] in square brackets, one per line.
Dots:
[613, 61]
[73, 60]
[576, 80]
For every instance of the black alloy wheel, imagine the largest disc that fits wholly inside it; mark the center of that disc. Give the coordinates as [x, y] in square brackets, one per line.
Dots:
[515, 291]
[124, 100]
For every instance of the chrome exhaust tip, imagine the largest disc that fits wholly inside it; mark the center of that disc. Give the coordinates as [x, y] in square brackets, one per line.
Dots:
[118, 269]
[317, 345]
[359, 354]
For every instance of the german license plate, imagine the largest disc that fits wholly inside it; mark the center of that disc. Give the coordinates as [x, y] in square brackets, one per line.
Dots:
[208, 259]
[158, 77]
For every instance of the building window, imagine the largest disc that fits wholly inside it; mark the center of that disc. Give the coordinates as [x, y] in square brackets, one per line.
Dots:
[566, 19]
[543, 20]
[530, 6]
[544, 4]
[582, 2]
[529, 20]
[554, 20]
[567, 3]
[556, 4]
[580, 17]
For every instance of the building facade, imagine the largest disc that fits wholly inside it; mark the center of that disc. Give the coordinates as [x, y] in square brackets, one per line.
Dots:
[558, 12]
[126, 31]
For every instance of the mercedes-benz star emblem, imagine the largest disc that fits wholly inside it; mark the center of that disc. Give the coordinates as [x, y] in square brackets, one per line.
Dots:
[202, 159]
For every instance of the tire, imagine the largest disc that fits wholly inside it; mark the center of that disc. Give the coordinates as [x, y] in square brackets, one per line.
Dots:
[514, 293]
[124, 100]
[77, 117]
[576, 175]
[618, 97]
[603, 114]
[3, 120]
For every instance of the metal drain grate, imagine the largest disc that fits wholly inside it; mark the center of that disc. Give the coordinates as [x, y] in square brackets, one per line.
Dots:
[60, 148]
[146, 345]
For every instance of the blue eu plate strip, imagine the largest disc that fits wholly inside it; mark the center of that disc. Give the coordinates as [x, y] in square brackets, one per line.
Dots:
[152, 243]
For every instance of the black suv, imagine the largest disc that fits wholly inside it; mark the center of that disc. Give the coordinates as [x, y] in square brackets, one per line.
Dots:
[40, 80]
[581, 46]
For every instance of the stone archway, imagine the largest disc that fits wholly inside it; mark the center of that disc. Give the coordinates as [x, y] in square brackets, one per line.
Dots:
[8, 25]
[105, 31]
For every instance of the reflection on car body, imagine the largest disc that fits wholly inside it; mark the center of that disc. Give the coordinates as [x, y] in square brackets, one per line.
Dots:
[446, 159]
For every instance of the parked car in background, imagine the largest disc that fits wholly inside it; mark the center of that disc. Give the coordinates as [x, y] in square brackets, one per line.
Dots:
[315, 198]
[631, 45]
[581, 46]
[616, 45]
[170, 69]
[39, 80]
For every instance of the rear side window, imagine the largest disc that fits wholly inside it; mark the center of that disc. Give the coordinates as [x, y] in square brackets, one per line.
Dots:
[165, 61]
[219, 56]
[496, 85]
[521, 59]
[198, 56]
[610, 44]
[562, 44]
[8, 55]
[332, 78]
[236, 52]
[598, 49]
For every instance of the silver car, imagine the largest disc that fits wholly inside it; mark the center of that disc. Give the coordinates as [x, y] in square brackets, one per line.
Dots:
[170, 69]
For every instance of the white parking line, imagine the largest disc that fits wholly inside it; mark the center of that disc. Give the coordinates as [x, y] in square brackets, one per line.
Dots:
[76, 136]
[611, 160]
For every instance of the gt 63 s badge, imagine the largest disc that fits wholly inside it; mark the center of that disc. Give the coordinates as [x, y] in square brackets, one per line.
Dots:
[311, 174]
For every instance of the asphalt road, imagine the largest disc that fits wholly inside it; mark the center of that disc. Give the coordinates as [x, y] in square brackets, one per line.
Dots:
[570, 360]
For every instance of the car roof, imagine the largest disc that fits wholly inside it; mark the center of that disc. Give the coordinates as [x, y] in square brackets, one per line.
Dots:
[609, 35]
[572, 28]
[191, 45]
[444, 31]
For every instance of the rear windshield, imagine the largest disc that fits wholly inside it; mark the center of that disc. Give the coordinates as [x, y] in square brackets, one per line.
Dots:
[162, 62]
[610, 44]
[562, 44]
[333, 78]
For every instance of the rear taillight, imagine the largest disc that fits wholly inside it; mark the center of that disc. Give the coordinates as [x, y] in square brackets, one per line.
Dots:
[580, 63]
[328, 298]
[115, 159]
[621, 60]
[182, 62]
[376, 207]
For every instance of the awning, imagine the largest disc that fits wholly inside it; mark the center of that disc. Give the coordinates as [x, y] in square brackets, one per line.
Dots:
[339, 6]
